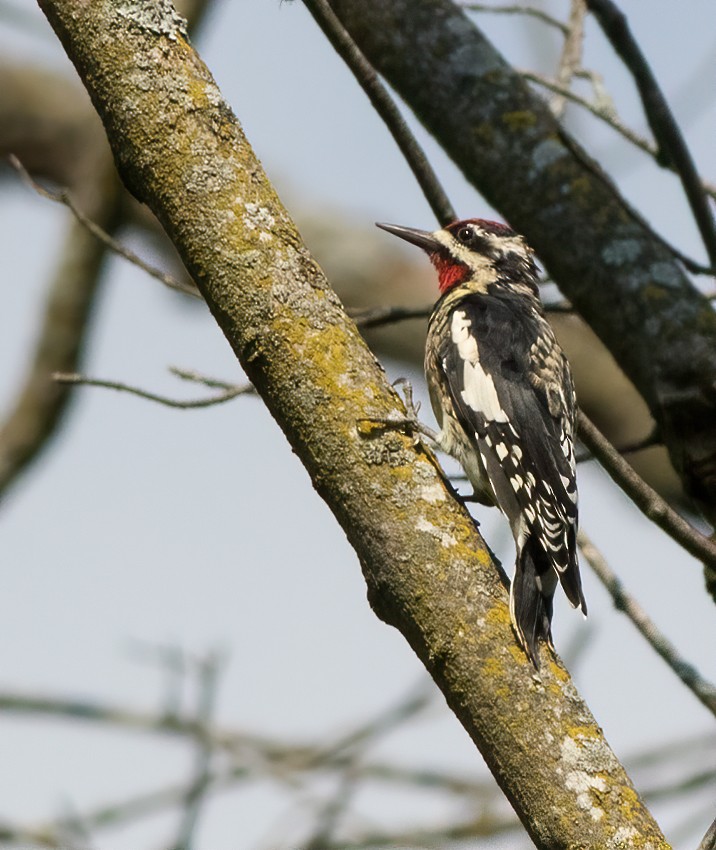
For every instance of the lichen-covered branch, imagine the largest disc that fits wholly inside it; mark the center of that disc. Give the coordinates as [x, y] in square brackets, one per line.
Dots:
[619, 276]
[181, 150]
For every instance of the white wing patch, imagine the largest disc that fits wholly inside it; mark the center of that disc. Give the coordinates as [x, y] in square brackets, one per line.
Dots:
[479, 392]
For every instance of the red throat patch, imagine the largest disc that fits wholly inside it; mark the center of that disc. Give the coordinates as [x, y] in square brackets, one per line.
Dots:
[450, 272]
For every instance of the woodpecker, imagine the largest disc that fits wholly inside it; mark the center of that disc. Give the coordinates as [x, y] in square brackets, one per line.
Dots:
[503, 397]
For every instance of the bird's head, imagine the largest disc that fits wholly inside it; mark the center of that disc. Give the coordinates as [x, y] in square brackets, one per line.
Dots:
[474, 250]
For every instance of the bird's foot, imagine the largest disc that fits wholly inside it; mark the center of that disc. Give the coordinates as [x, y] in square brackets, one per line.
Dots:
[409, 423]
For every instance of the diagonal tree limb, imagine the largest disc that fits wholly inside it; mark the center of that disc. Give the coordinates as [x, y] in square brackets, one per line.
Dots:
[702, 689]
[385, 107]
[615, 271]
[649, 502]
[672, 145]
[180, 149]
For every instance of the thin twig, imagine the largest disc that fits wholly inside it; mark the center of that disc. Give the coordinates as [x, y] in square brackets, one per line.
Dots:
[563, 307]
[384, 105]
[599, 110]
[611, 119]
[702, 689]
[416, 701]
[517, 9]
[649, 502]
[333, 810]
[374, 317]
[62, 196]
[571, 57]
[484, 825]
[684, 749]
[227, 395]
[198, 378]
[653, 438]
[666, 130]
[672, 788]
[199, 787]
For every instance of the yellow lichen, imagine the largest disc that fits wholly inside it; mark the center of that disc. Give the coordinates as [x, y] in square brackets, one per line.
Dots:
[523, 119]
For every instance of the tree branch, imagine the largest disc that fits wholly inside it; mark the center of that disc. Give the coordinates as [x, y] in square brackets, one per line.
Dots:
[703, 690]
[516, 9]
[200, 785]
[603, 257]
[571, 59]
[385, 107]
[429, 574]
[610, 117]
[229, 392]
[65, 198]
[41, 403]
[649, 502]
[667, 133]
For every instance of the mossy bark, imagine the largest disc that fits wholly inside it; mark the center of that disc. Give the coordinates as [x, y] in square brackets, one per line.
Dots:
[181, 150]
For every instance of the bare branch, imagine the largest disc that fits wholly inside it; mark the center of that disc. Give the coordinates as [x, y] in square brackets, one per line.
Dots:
[649, 502]
[39, 408]
[571, 59]
[672, 145]
[599, 110]
[484, 825]
[517, 9]
[630, 448]
[374, 317]
[612, 119]
[41, 403]
[63, 197]
[198, 378]
[227, 395]
[384, 105]
[702, 689]
[199, 787]
[331, 812]
[412, 704]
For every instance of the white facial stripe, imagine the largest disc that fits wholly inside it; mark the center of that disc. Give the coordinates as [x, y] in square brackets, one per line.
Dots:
[501, 244]
[460, 252]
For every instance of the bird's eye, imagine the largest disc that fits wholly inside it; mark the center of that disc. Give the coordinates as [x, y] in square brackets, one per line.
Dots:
[465, 235]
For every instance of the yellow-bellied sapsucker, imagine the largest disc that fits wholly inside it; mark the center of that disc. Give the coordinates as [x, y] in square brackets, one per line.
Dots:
[502, 394]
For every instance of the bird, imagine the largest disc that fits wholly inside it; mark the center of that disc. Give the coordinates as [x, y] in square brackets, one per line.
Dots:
[503, 397]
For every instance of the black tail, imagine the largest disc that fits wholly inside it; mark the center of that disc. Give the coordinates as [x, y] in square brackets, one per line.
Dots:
[531, 599]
